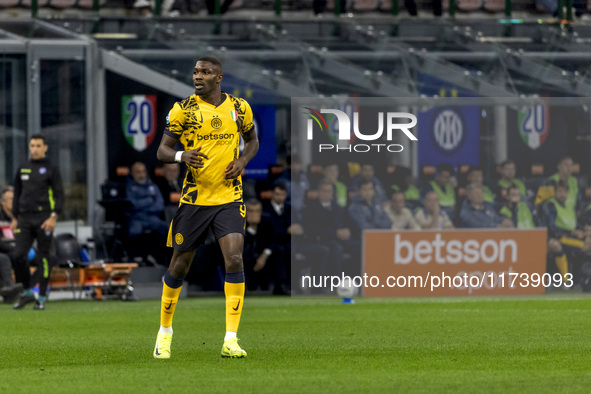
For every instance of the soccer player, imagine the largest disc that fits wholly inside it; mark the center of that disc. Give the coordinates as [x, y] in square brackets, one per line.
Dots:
[208, 125]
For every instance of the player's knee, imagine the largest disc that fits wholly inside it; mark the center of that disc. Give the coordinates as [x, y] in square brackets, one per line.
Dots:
[234, 262]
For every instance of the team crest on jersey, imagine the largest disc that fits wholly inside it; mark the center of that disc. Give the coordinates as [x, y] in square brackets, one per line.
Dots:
[178, 238]
[216, 123]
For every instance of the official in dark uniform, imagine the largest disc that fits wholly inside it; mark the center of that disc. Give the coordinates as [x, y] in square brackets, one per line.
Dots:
[38, 199]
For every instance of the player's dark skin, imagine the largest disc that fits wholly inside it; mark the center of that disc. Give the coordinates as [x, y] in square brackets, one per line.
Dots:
[206, 79]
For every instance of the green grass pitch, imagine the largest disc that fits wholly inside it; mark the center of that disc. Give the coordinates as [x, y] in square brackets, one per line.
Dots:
[521, 345]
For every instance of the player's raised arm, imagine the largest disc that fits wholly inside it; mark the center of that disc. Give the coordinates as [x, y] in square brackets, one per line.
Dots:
[167, 154]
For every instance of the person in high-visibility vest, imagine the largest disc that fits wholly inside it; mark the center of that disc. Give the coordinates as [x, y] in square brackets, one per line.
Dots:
[508, 171]
[563, 232]
[445, 189]
[475, 177]
[564, 174]
[517, 210]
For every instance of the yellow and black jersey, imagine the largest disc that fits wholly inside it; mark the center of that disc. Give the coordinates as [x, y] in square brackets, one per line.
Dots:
[196, 123]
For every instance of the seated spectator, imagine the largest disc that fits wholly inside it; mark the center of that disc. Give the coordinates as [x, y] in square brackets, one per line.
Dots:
[146, 212]
[445, 189]
[8, 290]
[278, 212]
[564, 174]
[477, 213]
[403, 181]
[296, 182]
[325, 221]
[331, 173]
[264, 260]
[366, 210]
[432, 217]
[508, 172]
[563, 232]
[475, 177]
[367, 173]
[6, 198]
[399, 214]
[516, 209]
[169, 184]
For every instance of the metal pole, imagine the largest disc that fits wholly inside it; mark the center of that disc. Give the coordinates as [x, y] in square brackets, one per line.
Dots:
[34, 8]
[561, 9]
[569, 10]
[278, 7]
[337, 7]
[395, 7]
[507, 8]
[95, 5]
[452, 8]
[158, 8]
[217, 8]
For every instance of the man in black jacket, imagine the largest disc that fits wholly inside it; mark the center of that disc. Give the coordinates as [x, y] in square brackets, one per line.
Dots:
[325, 221]
[38, 199]
[263, 258]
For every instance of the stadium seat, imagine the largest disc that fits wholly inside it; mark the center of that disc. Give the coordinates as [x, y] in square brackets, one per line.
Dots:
[63, 4]
[494, 5]
[67, 253]
[9, 3]
[88, 4]
[40, 3]
[469, 5]
[365, 5]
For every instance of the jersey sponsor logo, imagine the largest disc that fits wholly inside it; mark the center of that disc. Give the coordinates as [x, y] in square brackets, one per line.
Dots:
[24, 177]
[42, 170]
[138, 116]
[26, 170]
[216, 122]
[178, 238]
[207, 137]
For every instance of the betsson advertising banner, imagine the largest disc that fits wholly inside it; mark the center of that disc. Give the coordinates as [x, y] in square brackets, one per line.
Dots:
[424, 264]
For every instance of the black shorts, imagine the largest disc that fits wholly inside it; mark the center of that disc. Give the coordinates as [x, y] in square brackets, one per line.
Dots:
[189, 227]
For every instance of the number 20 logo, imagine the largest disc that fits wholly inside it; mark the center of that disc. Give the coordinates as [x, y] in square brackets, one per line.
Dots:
[139, 120]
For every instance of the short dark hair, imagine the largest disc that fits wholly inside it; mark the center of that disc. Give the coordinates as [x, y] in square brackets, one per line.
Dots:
[507, 162]
[324, 182]
[445, 167]
[474, 168]
[5, 190]
[365, 182]
[280, 186]
[513, 186]
[211, 59]
[397, 192]
[252, 202]
[563, 158]
[38, 136]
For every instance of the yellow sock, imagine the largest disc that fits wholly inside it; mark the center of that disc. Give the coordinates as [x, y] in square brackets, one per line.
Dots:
[562, 264]
[234, 301]
[170, 297]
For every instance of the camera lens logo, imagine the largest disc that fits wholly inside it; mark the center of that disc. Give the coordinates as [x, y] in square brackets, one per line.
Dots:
[216, 123]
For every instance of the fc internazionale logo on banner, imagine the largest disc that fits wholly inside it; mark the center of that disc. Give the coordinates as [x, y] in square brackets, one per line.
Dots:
[138, 120]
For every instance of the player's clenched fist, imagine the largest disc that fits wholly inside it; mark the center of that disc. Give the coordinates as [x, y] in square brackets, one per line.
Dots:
[194, 157]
